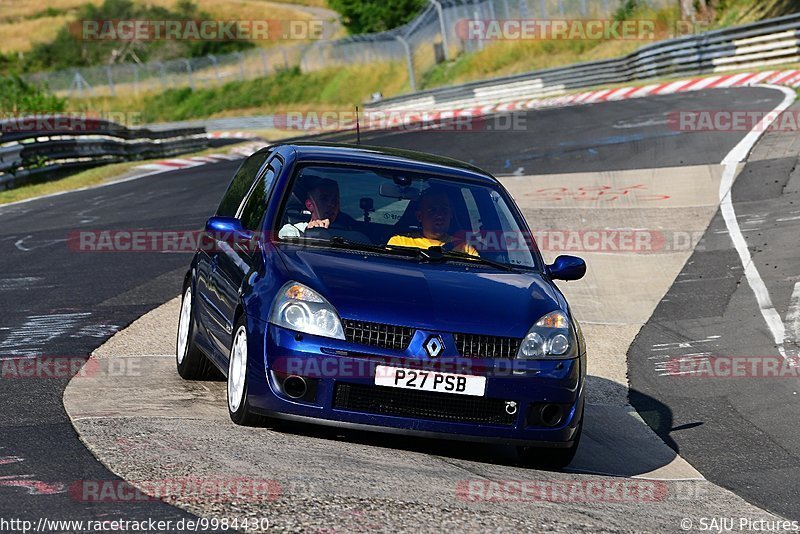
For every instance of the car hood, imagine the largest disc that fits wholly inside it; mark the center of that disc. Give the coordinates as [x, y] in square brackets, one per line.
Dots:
[447, 297]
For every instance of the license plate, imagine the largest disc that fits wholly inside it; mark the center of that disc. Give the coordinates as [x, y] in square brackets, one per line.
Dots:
[423, 380]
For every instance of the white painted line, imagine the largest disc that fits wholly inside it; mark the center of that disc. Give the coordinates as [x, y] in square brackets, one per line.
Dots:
[672, 88]
[183, 162]
[157, 167]
[758, 78]
[793, 316]
[736, 78]
[616, 94]
[643, 91]
[729, 164]
[705, 82]
[598, 95]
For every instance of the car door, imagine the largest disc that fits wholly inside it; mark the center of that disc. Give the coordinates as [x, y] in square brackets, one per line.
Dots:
[236, 258]
[211, 316]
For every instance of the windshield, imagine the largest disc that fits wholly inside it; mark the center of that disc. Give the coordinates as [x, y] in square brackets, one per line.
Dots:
[380, 207]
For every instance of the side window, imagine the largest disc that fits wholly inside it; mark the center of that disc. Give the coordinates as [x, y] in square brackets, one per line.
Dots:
[256, 203]
[241, 183]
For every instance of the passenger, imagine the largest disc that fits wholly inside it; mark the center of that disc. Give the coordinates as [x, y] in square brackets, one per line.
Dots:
[322, 200]
[434, 214]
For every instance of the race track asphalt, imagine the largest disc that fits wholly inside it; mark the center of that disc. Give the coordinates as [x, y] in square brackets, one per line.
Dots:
[56, 301]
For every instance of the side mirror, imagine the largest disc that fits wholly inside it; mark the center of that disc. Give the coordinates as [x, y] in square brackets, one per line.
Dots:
[567, 268]
[230, 231]
[224, 225]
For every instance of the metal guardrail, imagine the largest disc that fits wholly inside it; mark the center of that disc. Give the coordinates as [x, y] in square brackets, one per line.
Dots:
[30, 154]
[760, 44]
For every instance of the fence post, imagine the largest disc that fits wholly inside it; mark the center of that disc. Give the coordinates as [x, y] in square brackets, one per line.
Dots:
[438, 6]
[264, 61]
[285, 58]
[162, 75]
[189, 72]
[477, 16]
[135, 79]
[412, 82]
[110, 80]
[241, 64]
[523, 10]
[213, 60]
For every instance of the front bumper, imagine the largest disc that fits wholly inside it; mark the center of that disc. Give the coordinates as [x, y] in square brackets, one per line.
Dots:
[332, 367]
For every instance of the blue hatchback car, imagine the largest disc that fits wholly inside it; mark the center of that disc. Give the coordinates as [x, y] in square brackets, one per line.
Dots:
[381, 289]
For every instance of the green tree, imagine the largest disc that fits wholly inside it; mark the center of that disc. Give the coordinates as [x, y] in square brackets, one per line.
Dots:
[70, 49]
[367, 16]
[17, 96]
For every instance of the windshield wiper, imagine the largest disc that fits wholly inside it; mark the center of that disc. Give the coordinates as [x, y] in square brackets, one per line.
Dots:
[341, 242]
[392, 249]
[442, 254]
[434, 254]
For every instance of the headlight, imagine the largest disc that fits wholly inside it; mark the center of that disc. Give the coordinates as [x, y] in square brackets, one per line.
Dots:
[300, 308]
[550, 337]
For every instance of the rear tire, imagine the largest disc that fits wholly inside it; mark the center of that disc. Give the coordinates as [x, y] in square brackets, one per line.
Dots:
[192, 363]
[546, 458]
[238, 406]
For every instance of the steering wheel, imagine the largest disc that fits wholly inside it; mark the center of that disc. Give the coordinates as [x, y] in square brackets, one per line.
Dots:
[326, 233]
[318, 232]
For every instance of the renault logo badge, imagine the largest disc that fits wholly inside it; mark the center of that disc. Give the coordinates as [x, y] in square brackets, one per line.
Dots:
[434, 346]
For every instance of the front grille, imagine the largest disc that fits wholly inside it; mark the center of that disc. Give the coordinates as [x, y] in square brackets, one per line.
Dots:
[421, 404]
[475, 346]
[386, 336]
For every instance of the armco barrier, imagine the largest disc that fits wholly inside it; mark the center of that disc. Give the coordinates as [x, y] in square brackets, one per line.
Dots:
[31, 154]
[760, 44]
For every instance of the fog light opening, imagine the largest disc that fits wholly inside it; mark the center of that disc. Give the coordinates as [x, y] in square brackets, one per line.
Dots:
[551, 414]
[295, 386]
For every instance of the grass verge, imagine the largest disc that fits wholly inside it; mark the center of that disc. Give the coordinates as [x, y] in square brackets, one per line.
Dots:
[288, 90]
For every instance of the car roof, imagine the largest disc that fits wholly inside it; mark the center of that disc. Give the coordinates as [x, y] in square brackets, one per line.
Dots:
[383, 156]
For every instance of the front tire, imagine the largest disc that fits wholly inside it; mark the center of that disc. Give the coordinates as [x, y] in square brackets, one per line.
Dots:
[238, 406]
[552, 459]
[191, 362]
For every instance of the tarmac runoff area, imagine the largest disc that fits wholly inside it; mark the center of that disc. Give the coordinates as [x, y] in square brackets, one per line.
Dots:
[147, 424]
[635, 229]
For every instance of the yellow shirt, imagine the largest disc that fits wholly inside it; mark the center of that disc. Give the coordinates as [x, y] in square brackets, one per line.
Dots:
[424, 242]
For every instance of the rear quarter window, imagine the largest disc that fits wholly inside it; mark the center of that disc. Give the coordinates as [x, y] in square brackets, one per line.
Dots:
[241, 183]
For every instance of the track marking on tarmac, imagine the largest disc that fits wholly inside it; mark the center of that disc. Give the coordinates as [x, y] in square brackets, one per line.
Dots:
[730, 164]
[793, 316]
[37, 331]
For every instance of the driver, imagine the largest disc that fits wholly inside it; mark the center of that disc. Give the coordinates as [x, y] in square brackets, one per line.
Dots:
[322, 200]
[434, 214]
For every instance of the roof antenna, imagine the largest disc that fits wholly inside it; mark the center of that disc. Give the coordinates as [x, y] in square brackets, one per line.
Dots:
[358, 129]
